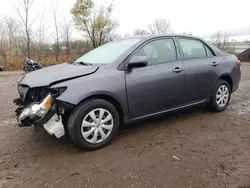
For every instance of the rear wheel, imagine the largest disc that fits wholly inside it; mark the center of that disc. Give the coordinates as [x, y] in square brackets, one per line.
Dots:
[93, 124]
[221, 96]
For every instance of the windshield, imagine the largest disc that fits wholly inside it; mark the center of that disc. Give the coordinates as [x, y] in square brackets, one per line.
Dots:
[107, 53]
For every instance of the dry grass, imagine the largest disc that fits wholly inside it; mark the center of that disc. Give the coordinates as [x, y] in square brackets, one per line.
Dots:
[17, 62]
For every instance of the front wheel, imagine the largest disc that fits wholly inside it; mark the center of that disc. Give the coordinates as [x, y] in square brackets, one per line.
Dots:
[93, 124]
[221, 96]
[28, 69]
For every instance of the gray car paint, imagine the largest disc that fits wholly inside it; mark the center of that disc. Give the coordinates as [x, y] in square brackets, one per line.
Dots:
[49, 75]
[142, 91]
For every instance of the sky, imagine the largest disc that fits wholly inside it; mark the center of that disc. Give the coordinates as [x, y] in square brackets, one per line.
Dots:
[202, 18]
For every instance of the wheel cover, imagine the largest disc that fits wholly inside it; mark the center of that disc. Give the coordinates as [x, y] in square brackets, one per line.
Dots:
[222, 96]
[97, 125]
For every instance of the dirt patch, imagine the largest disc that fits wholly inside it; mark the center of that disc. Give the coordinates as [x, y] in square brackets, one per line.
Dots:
[244, 56]
[190, 148]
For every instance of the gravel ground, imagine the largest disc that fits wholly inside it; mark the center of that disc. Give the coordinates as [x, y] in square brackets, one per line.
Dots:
[191, 148]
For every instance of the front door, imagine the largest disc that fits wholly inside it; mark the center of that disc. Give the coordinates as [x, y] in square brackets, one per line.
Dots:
[160, 85]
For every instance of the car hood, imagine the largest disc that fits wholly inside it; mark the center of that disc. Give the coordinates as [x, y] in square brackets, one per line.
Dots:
[56, 74]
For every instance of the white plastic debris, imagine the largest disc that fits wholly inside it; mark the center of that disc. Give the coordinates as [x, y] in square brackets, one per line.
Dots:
[176, 158]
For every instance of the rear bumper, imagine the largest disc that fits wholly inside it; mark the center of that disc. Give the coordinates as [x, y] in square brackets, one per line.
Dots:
[235, 87]
[236, 77]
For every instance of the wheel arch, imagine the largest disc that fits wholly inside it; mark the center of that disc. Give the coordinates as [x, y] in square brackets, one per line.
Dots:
[110, 99]
[227, 78]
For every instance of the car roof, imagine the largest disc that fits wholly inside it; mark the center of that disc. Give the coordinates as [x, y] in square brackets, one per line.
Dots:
[144, 38]
[151, 36]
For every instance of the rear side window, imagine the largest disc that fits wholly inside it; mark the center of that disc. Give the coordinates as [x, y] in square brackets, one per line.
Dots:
[192, 48]
[158, 51]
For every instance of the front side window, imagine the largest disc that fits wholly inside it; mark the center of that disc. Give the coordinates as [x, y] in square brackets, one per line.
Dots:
[192, 48]
[158, 51]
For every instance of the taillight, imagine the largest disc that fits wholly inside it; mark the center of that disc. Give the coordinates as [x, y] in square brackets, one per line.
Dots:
[238, 63]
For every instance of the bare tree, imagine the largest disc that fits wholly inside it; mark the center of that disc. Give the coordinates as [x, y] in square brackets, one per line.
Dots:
[127, 35]
[222, 41]
[114, 36]
[3, 42]
[141, 32]
[160, 26]
[41, 36]
[14, 34]
[79, 47]
[66, 29]
[189, 33]
[11, 27]
[23, 12]
[57, 37]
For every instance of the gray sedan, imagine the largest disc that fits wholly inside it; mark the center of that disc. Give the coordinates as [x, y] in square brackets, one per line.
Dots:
[124, 81]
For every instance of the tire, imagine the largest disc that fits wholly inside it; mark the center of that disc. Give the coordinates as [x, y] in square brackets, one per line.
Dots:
[25, 69]
[82, 114]
[28, 69]
[215, 105]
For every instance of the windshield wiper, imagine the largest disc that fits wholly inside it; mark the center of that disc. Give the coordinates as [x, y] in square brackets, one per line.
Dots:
[84, 63]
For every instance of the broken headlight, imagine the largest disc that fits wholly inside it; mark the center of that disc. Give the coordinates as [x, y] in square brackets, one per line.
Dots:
[37, 109]
[22, 90]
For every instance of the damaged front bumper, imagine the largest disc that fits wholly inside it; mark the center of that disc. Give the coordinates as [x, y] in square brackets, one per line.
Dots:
[41, 114]
[54, 126]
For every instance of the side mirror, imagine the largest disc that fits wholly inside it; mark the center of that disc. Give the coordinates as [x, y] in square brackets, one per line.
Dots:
[138, 61]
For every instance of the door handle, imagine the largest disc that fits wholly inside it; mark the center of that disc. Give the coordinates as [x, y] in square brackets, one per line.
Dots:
[177, 70]
[215, 64]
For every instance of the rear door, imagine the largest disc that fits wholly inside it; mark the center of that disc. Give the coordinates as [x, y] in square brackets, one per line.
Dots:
[158, 86]
[201, 65]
